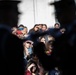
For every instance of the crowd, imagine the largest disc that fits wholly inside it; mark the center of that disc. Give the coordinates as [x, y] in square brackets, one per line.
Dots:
[40, 33]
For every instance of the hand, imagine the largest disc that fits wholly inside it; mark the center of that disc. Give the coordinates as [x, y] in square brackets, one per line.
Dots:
[62, 30]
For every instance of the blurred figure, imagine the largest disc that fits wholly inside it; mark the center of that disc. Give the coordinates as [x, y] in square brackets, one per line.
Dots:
[32, 68]
[57, 25]
[11, 52]
[40, 26]
[35, 29]
[23, 29]
[44, 27]
[55, 71]
[11, 47]
[42, 39]
[65, 45]
[27, 51]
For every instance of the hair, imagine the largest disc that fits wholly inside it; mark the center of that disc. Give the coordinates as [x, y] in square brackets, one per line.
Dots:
[36, 25]
[41, 38]
[21, 25]
[56, 24]
[35, 71]
[31, 62]
[44, 25]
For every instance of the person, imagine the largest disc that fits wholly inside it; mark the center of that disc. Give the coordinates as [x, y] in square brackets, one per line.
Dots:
[11, 47]
[11, 53]
[65, 45]
[32, 68]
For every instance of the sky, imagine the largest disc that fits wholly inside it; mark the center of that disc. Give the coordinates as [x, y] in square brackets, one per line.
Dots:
[36, 12]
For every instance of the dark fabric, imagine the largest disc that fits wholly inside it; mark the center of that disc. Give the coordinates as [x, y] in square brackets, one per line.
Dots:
[11, 53]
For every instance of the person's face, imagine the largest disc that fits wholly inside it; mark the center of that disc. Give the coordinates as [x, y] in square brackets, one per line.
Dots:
[57, 26]
[24, 31]
[44, 28]
[40, 26]
[21, 28]
[27, 44]
[42, 40]
[36, 28]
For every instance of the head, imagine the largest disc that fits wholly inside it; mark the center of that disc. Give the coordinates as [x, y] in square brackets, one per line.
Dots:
[21, 26]
[32, 66]
[42, 39]
[28, 44]
[40, 26]
[24, 30]
[49, 45]
[57, 25]
[44, 27]
[36, 27]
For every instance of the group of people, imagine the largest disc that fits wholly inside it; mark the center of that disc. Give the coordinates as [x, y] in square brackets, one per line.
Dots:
[41, 51]
[40, 33]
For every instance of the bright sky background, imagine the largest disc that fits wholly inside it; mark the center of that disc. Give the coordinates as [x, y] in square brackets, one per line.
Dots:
[36, 11]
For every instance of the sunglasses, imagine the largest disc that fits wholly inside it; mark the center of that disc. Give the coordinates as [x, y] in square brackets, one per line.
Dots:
[20, 28]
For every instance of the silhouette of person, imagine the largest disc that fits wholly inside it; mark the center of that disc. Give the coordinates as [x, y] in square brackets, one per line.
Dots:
[65, 45]
[11, 47]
